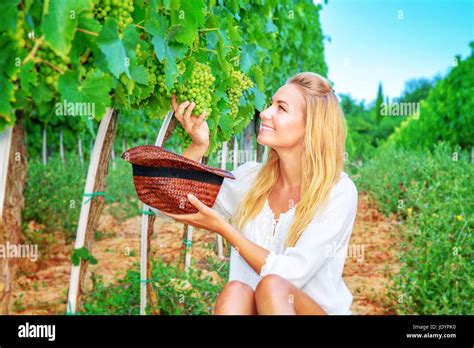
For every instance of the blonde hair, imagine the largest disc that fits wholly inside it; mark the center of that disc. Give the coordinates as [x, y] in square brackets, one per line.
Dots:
[322, 161]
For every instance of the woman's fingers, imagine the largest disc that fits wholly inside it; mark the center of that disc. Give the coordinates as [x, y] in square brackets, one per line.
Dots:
[174, 103]
[187, 116]
[187, 219]
[197, 203]
[179, 113]
[200, 120]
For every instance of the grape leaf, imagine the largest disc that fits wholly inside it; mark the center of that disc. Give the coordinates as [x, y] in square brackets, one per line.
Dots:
[28, 76]
[84, 254]
[139, 74]
[189, 17]
[270, 27]
[41, 93]
[93, 89]
[258, 77]
[259, 99]
[8, 14]
[7, 93]
[157, 26]
[60, 22]
[248, 57]
[113, 48]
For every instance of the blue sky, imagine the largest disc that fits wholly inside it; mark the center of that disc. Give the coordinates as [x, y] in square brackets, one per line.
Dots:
[370, 44]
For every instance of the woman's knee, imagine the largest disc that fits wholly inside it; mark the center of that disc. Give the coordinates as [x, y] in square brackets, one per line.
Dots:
[270, 284]
[235, 296]
[236, 288]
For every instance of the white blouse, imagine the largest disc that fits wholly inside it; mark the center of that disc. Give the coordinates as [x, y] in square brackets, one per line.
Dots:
[315, 264]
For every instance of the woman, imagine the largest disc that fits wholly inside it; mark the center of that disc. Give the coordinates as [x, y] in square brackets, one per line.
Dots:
[293, 215]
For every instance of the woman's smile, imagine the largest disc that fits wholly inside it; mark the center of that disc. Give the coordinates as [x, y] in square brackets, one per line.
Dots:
[266, 129]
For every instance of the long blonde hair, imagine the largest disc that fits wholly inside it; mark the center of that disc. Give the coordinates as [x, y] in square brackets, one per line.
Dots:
[322, 161]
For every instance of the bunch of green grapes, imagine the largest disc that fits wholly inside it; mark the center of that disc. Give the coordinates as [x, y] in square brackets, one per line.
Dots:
[49, 65]
[120, 10]
[181, 133]
[160, 77]
[161, 84]
[240, 82]
[20, 29]
[199, 89]
[143, 58]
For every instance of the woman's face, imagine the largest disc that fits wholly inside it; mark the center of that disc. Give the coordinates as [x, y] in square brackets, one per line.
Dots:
[283, 122]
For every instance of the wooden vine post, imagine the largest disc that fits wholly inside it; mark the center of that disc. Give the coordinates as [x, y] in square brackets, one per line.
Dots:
[61, 147]
[44, 150]
[220, 244]
[148, 219]
[79, 150]
[12, 182]
[92, 203]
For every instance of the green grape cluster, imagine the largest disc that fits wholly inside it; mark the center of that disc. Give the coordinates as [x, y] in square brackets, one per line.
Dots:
[20, 29]
[199, 89]
[120, 10]
[149, 63]
[240, 82]
[161, 88]
[181, 133]
[49, 62]
[160, 78]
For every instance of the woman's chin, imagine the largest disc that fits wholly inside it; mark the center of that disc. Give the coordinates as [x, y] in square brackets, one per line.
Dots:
[261, 140]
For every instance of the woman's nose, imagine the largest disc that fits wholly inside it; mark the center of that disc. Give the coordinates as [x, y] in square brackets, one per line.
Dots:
[265, 114]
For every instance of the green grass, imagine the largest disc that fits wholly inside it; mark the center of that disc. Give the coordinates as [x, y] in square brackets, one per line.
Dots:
[431, 193]
[179, 292]
[53, 195]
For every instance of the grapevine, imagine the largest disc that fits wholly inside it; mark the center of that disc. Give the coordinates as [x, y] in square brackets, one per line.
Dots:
[51, 65]
[20, 29]
[120, 10]
[226, 71]
[240, 82]
[199, 89]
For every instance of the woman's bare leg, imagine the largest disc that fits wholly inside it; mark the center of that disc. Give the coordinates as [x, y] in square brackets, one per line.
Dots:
[276, 295]
[236, 298]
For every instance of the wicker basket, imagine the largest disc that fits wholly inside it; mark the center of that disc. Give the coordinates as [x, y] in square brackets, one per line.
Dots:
[163, 179]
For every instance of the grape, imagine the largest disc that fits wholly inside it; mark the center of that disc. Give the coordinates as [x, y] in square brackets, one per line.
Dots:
[160, 77]
[181, 133]
[152, 70]
[240, 82]
[20, 29]
[50, 74]
[198, 89]
[120, 10]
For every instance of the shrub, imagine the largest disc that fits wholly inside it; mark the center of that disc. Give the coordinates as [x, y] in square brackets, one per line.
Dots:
[432, 194]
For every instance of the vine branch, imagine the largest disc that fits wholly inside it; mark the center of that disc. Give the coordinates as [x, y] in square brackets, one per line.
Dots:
[87, 32]
[33, 51]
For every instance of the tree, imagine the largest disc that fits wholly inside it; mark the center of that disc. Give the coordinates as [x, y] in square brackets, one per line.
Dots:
[378, 105]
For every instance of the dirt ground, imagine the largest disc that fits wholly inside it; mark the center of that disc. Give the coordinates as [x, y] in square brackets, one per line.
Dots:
[41, 287]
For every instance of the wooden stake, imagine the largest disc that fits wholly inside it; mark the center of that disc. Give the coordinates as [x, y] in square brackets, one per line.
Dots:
[5, 145]
[235, 153]
[147, 232]
[220, 244]
[13, 152]
[114, 164]
[91, 208]
[45, 147]
[61, 147]
[79, 150]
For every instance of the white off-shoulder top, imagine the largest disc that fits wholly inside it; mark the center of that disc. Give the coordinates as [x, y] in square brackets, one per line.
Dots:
[315, 264]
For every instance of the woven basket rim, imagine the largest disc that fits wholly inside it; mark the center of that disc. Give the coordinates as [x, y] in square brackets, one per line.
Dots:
[162, 153]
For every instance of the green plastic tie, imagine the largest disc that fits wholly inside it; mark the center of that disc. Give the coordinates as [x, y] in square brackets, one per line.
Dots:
[96, 194]
[148, 212]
